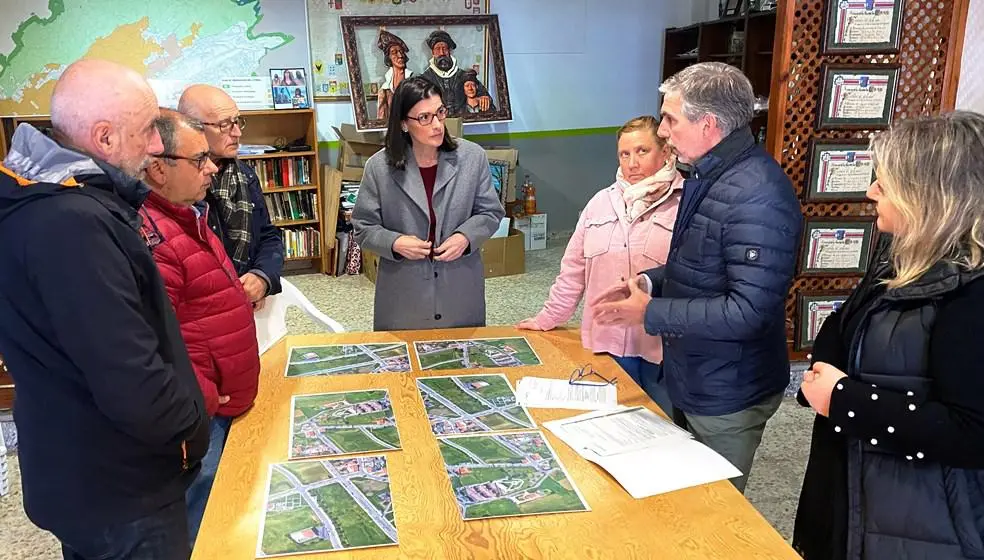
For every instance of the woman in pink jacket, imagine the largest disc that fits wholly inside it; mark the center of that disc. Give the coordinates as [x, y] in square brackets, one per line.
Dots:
[624, 229]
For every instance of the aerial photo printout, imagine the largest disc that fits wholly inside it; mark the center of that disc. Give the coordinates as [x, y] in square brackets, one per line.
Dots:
[341, 359]
[339, 423]
[500, 475]
[476, 353]
[472, 403]
[327, 504]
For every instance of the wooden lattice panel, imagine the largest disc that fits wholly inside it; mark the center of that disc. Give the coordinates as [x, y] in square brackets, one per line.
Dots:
[923, 58]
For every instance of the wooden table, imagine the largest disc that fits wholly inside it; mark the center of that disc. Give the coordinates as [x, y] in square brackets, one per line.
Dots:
[710, 521]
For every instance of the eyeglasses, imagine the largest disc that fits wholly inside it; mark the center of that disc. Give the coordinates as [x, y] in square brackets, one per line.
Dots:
[198, 160]
[426, 118]
[579, 374]
[226, 125]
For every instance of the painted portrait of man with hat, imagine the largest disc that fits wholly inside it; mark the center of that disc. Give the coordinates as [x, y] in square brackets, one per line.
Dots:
[395, 56]
[444, 72]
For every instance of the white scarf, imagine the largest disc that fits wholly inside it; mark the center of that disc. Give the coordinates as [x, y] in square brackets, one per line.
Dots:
[650, 192]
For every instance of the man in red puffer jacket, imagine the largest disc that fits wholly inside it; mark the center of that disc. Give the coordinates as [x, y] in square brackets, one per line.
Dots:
[215, 315]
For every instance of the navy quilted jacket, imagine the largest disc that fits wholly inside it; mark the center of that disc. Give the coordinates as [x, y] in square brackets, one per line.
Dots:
[719, 302]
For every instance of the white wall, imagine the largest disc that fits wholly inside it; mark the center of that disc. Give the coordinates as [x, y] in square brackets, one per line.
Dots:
[572, 63]
[970, 89]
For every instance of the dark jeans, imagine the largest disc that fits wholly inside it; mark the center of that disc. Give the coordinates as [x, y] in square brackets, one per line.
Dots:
[197, 495]
[162, 535]
[649, 376]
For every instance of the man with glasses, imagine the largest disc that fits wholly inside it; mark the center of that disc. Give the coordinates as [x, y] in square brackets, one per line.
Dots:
[239, 215]
[214, 312]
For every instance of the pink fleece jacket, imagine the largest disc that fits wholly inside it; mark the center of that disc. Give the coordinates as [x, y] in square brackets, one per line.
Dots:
[604, 250]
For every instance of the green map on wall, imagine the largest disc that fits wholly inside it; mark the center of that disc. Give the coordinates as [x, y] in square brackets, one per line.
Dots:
[178, 41]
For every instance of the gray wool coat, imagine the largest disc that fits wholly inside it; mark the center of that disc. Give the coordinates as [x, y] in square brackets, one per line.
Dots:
[427, 294]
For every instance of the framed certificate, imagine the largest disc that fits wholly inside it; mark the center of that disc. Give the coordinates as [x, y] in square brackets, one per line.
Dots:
[839, 171]
[862, 26]
[812, 309]
[857, 96]
[837, 246]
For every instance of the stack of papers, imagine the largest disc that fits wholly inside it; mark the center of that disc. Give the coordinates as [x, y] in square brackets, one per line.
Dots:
[255, 149]
[643, 451]
[538, 392]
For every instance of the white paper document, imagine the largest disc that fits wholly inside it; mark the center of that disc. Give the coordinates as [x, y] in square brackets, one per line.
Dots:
[539, 392]
[655, 458]
[622, 430]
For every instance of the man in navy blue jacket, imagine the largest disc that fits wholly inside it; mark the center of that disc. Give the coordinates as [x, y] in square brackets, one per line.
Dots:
[719, 302]
[111, 420]
[238, 213]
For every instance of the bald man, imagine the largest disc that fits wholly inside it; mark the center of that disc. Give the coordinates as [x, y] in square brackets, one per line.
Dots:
[111, 420]
[239, 214]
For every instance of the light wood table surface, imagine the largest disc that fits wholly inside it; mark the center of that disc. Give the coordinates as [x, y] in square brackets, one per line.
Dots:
[710, 521]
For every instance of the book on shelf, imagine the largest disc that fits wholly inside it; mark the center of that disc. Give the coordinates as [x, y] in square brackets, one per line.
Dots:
[302, 242]
[291, 206]
[282, 172]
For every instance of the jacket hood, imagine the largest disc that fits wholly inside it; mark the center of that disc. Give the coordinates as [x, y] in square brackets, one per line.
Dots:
[38, 166]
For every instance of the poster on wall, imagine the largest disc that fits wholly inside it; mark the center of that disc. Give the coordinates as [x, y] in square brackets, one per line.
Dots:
[166, 42]
[813, 308]
[857, 96]
[382, 51]
[840, 171]
[330, 80]
[862, 26]
[837, 246]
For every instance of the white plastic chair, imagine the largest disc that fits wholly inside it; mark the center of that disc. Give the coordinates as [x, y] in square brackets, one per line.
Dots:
[271, 321]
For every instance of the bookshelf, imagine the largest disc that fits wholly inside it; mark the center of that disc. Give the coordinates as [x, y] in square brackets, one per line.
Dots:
[291, 181]
[292, 185]
[711, 41]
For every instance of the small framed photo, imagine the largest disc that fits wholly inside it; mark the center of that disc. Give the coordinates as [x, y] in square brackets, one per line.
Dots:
[862, 26]
[289, 86]
[857, 96]
[837, 246]
[840, 171]
[812, 309]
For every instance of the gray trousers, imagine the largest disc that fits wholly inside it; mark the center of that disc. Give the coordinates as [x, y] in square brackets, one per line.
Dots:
[734, 436]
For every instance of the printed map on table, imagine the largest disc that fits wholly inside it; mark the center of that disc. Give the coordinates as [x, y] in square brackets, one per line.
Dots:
[339, 423]
[341, 359]
[476, 353]
[173, 43]
[329, 504]
[500, 475]
[472, 403]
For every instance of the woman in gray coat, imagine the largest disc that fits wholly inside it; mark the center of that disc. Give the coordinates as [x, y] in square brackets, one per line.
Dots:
[426, 205]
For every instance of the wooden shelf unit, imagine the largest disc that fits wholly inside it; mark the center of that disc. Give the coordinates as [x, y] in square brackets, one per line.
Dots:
[712, 39]
[274, 128]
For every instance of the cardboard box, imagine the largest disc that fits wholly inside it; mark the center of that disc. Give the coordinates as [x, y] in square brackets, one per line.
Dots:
[356, 147]
[453, 125]
[504, 256]
[510, 156]
[534, 228]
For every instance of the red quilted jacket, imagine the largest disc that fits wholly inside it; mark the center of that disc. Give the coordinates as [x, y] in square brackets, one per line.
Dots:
[215, 314]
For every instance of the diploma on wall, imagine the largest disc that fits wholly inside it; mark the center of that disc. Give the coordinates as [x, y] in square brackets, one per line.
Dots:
[862, 26]
[838, 246]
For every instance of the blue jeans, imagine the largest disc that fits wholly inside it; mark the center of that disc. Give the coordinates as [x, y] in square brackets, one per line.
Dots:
[161, 535]
[649, 376]
[197, 496]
